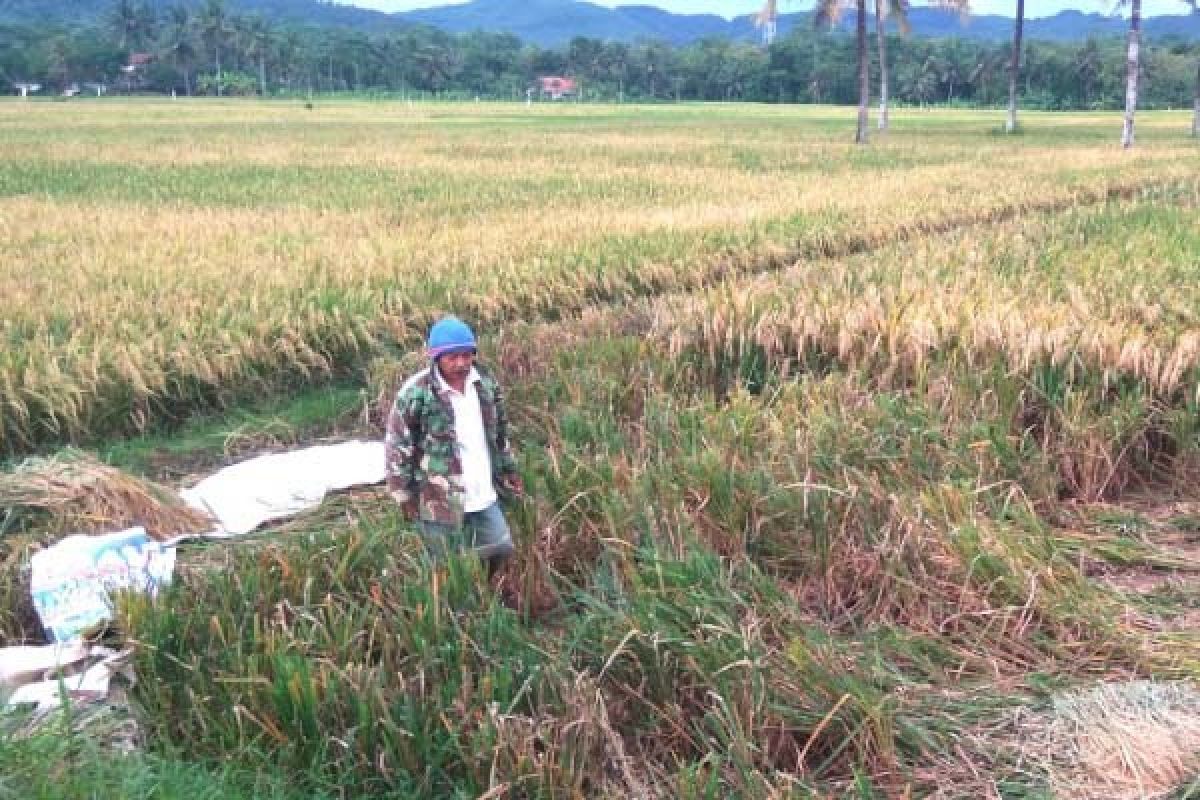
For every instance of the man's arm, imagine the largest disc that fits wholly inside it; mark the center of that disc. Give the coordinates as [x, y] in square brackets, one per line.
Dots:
[402, 448]
[507, 476]
[507, 462]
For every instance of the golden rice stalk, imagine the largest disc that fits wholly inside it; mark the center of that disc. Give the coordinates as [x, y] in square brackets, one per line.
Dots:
[83, 495]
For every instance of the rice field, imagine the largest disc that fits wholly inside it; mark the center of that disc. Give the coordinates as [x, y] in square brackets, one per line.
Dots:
[162, 259]
[853, 472]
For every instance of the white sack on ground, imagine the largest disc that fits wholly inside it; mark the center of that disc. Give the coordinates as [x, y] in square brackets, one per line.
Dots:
[72, 579]
[246, 495]
[30, 663]
[86, 678]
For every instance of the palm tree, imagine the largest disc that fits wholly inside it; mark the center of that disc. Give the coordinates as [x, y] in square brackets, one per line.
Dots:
[1131, 70]
[884, 9]
[257, 40]
[59, 53]
[436, 63]
[921, 82]
[950, 76]
[766, 20]
[1195, 4]
[179, 43]
[1014, 67]
[288, 48]
[1087, 65]
[829, 12]
[990, 62]
[214, 26]
[126, 19]
[899, 9]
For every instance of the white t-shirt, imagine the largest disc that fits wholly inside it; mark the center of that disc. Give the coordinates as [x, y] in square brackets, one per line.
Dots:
[471, 438]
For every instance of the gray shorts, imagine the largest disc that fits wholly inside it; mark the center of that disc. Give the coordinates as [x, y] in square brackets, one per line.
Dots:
[486, 532]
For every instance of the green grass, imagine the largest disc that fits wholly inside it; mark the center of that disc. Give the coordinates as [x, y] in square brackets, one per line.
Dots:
[206, 441]
[52, 767]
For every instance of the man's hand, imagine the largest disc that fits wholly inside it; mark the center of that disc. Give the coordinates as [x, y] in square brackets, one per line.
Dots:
[411, 509]
[515, 486]
[409, 504]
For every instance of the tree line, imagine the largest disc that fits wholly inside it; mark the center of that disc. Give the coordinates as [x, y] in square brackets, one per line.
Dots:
[211, 50]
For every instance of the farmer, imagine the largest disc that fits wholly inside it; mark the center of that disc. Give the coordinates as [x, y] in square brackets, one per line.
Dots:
[448, 454]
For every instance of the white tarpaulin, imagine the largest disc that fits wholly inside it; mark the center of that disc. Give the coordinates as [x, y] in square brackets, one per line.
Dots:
[246, 495]
[71, 580]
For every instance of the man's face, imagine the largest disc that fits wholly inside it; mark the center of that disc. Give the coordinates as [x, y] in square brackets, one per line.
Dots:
[456, 366]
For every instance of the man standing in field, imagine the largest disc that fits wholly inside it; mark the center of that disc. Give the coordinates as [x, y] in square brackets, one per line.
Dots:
[448, 454]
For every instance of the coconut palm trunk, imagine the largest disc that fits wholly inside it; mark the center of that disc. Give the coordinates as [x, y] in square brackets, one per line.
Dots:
[1195, 4]
[1014, 67]
[183, 70]
[1196, 110]
[881, 34]
[864, 75]
[828, 12]
[1131, 72]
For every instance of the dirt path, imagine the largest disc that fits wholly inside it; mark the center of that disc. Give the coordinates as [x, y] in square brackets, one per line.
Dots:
[1148, 550]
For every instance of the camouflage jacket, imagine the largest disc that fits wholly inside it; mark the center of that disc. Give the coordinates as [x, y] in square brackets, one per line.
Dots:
[420, 445]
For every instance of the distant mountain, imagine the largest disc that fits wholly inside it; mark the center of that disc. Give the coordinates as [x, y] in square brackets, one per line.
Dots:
[305, 12]
[553, 22]
[674, 28]
[539, 21]
[549, 22]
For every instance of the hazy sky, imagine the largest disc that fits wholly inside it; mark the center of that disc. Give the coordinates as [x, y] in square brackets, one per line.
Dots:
[731, 8]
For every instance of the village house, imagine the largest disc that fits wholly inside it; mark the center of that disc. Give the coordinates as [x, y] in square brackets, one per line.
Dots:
[556, 87]
[134, 72]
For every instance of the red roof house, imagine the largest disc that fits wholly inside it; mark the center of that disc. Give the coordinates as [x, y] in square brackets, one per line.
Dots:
[557, 87]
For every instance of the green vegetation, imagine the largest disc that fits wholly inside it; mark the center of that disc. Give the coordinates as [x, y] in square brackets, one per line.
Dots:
[53, 767]
[206, 441]
[823, 582]
[268, 55]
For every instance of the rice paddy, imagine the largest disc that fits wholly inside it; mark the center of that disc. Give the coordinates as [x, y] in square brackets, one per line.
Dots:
[195, 255]
[822, 442]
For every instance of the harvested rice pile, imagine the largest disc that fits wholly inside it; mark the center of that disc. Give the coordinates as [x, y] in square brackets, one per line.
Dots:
[74, 493]
[1125, 741]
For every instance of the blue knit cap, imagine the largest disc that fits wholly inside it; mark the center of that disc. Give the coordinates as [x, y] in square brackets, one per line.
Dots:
[450, 335]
